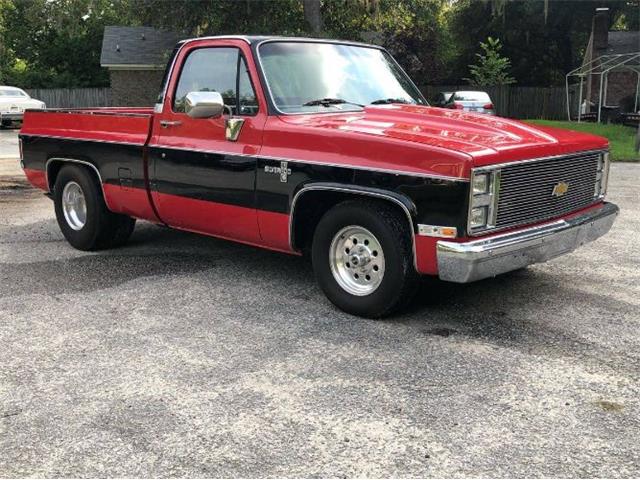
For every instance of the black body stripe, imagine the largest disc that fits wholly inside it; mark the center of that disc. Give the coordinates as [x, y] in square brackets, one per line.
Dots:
[242, 180]
[111, 159]
[211, 177]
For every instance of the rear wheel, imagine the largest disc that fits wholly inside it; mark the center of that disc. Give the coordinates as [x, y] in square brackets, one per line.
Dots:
[82, 214]
[362, 258]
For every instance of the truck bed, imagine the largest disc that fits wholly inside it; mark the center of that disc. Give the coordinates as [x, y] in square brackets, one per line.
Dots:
[120, 125]
[112, 141]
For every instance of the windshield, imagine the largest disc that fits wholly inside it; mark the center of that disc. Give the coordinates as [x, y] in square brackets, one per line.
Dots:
[11, 92]
[472, 97]
[309, 77]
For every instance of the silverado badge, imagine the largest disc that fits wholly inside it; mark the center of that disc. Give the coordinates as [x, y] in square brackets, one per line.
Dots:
[560, 189]
[283, 170]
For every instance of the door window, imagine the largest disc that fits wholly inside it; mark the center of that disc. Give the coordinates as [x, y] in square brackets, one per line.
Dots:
[221, 70]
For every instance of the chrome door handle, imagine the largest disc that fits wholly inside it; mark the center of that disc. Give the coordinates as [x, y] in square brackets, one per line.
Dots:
[168, 123]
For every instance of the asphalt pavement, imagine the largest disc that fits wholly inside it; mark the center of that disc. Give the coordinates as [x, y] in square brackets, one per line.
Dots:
[180, 355]
[9, 153]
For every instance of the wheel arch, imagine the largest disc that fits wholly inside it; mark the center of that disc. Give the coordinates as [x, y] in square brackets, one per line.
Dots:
[301, 227]
[55, 164]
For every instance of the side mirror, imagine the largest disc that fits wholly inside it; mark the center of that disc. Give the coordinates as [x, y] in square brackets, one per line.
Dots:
[203, 104]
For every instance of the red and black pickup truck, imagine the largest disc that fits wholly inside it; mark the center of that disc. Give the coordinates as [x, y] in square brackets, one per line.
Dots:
[326, 147]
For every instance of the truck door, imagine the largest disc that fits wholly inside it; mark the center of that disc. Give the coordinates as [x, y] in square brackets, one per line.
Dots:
[202, 178]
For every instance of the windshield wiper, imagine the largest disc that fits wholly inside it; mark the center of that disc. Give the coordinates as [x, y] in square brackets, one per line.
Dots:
[327, 102]
[385, 101]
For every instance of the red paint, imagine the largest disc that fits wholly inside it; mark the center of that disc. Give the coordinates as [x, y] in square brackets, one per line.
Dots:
[129, 201]
[426, 259]
[417, 139]
[219, 220]
[274, 230]
[208, 134]
[111, 125]
[37, 178]
[210, 218]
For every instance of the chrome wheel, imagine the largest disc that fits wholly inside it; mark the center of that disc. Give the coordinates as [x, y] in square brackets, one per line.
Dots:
[74, 206]
[357, 260]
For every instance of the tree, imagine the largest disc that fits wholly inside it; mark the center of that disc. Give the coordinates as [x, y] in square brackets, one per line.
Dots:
[313, 15]
[492, 68]
[6, 57]
[541, 52]
[414, 31]
[220, 17]
[56, 43]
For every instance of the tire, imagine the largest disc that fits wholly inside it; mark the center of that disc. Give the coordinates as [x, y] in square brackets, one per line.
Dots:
[93, 227]
[383, 257]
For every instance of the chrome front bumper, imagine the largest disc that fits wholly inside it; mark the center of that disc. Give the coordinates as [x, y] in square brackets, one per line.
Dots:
[13, 116]
[488, 257]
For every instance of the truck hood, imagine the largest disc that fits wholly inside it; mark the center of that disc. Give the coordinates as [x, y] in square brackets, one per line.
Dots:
[483, 139]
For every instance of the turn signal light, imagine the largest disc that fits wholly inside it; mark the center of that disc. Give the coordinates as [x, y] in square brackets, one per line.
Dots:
[437, 231]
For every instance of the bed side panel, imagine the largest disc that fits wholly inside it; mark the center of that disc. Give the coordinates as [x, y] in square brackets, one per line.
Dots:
[114, 143]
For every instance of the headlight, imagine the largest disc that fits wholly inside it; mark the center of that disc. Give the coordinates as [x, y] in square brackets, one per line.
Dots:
[480, 183]
[478, 217]
[483, 200]
[602, 176]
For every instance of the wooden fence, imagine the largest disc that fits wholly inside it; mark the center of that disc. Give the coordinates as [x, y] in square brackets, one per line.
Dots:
[517, 102]
[72, 97]
[510, 101]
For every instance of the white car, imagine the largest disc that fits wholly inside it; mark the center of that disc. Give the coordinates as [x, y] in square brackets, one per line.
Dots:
[471, 101]
[13, 103]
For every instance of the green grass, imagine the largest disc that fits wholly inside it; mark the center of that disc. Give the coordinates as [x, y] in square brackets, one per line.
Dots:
[621, 138]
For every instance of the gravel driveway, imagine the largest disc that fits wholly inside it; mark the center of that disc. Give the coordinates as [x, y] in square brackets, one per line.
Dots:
[180, 355]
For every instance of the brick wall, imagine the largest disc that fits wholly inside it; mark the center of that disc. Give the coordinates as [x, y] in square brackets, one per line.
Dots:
[135, 88]
[621, 85]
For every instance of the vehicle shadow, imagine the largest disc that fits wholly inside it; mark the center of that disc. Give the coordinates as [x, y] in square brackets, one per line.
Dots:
[152, 251]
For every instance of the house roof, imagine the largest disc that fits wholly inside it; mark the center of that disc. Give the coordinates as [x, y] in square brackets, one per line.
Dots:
[623, 42]
[136, 47]
[147, 47]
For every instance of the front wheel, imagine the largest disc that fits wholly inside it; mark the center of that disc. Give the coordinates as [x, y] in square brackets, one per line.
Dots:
[362, 258]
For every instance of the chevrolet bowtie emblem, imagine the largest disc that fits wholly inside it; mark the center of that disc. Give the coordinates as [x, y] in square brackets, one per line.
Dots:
[560, 189]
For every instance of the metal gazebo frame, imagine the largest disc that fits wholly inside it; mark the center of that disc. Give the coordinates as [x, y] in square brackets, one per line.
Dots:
[601, 66]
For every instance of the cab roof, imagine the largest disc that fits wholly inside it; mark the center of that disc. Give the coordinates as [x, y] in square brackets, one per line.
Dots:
[255, 39]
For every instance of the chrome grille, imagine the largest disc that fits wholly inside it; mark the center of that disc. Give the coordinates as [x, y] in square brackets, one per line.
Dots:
[526, 189]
